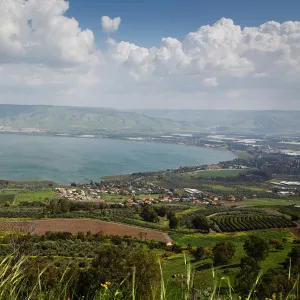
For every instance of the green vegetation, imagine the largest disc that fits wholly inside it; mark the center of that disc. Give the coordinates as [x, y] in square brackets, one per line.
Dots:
[7, 197]
[29, 184]
[239, 222]
[219, 187]
[268, 202]
[209, 240]
[252, 188]
[39, 196]
[217, 173]
[223, 247]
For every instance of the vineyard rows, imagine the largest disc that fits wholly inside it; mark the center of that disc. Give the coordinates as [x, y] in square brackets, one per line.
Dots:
[250, 222]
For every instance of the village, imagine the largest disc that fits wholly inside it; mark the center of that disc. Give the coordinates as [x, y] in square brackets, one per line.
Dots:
[140, 194]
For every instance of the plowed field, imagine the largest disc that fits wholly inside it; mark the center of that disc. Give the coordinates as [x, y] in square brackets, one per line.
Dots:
[74, 226]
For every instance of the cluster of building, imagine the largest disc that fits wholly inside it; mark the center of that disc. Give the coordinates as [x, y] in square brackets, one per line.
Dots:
[286, 187]
[116, 187]
[74, 194]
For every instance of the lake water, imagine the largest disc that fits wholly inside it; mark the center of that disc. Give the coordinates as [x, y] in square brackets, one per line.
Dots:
[67, 159]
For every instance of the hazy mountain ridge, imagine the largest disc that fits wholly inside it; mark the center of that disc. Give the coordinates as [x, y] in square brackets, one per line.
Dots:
[230, 121]
[83, 119]
[62, 119]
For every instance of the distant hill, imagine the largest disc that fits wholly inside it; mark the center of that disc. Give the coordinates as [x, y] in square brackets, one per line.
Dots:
[230, 121]
[89, 120]
[61, 119]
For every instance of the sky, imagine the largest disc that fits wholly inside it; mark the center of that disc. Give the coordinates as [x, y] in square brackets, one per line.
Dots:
[137, 54]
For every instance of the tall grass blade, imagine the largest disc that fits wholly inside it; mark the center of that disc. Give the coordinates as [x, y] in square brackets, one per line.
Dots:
[254, 285]
[162, 283]
[133, 283]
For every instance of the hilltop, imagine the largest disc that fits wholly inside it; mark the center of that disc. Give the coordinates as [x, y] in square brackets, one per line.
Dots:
[97, 120]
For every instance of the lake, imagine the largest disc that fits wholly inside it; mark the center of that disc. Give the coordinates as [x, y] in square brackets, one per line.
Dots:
[67, 159]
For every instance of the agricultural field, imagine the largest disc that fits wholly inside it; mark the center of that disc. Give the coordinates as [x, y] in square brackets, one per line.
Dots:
[252, 188]
[232, 223]
[219, 187]
[38, 196]
[263, 202]
[114, 198]
[80, 225]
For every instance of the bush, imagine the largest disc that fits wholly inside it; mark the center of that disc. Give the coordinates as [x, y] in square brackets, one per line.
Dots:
[223, 252]
[200, 222]
[256, 247]
[149, 214]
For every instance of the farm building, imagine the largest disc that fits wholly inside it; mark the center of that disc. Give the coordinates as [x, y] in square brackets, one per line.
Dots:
[286, 185]
[193, 192]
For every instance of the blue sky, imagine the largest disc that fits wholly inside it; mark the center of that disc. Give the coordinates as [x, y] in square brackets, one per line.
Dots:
[161, 55]
[145, 22]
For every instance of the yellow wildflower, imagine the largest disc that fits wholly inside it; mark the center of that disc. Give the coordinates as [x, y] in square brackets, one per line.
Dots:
[104, 285]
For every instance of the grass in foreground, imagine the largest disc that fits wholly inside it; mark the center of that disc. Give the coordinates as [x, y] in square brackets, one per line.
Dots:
[13, 284]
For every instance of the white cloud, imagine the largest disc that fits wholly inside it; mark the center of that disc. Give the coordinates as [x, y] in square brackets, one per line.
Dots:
[210, 82]
[110, 25]
[45, 57]
[37, 32]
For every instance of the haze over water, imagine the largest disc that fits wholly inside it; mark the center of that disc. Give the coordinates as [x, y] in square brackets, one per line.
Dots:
[67, 159]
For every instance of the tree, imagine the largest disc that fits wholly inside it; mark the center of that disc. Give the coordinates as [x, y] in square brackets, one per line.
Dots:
[247, 276]
[274, 281]
[200, 222]
[173, 222]
[199, 253]
[294, 256]
[256, 247]
[149, 214]
[161, 211]
[113, 264]
[223, 252]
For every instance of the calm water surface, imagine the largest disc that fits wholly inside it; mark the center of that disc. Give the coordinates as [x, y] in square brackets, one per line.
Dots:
[67, 159]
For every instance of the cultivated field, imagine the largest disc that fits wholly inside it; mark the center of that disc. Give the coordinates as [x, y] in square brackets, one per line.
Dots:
[82, 225]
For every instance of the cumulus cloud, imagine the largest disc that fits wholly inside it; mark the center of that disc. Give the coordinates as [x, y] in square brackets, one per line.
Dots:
[109, 24]
[46, 57]
[37, 32]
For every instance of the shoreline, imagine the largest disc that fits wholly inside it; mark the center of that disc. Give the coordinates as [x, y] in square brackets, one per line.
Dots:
[92, 136]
